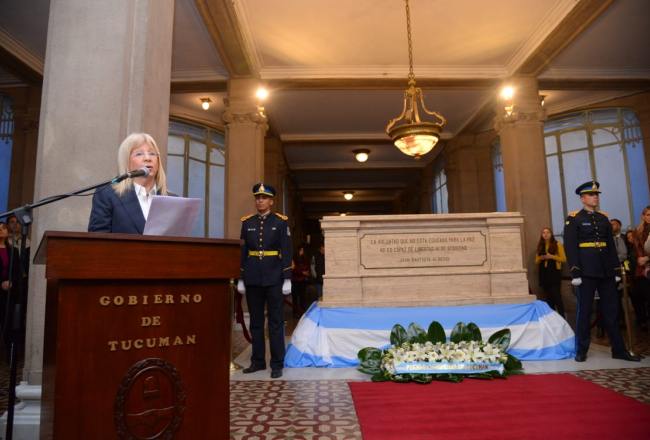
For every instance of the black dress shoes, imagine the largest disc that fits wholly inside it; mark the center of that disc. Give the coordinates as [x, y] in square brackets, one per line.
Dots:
[580, 357]
[627, 356]
[276, 373]
[252, 369]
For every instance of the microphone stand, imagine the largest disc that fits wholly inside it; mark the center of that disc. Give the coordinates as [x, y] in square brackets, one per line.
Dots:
[24, 216]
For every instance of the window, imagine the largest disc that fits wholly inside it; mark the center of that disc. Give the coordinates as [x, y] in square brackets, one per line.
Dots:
[440, 205]
[499, 179]
[196, 168]
[6, 145]
[605, 145]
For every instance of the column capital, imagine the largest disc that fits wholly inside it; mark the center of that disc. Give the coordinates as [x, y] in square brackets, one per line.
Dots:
[502, 120]
[254, 117]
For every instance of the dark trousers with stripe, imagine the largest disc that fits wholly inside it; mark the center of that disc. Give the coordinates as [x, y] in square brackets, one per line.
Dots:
[608, 308]
[270, 296]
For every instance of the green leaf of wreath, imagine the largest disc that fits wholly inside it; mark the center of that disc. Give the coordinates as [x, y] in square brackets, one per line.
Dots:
[422, 378]
[398, 335]
[379, 377]
[436, 333]
[460, 333]
[415, 333]
[501, 339]
[368, 370]
[513, 365]
[475, 332]
[370, 358]
[401, 378]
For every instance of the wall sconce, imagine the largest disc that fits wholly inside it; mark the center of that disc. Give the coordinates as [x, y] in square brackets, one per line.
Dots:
[262, 93]
[348, 195]
[361, 155]
[507, 95]
[542, 100]
[205, 103]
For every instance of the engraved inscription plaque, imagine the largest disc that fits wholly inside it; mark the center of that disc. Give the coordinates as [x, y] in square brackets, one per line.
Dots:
[431, 249]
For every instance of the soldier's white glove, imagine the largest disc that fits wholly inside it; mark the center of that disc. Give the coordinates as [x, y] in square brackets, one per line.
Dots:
[286, 287]
[617, 279]
[576, 281]
[240, 287]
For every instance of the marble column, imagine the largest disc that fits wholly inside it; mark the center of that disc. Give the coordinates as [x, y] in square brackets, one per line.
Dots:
[107, 74]
[246, 126]
[524, 164]
[470, 177]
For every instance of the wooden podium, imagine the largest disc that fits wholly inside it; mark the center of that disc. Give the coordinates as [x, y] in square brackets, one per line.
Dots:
[137, 336]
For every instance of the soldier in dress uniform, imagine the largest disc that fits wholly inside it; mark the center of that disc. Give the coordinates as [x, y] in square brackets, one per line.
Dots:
[594, 266]
[265, 277]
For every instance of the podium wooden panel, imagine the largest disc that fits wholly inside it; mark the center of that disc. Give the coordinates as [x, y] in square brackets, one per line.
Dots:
[137, 336]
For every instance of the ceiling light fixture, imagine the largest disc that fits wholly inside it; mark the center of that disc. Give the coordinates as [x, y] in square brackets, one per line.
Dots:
[262, 93]
[205, 103]
[361, 155]
[348, 195]
[409, 133]
[342, 214]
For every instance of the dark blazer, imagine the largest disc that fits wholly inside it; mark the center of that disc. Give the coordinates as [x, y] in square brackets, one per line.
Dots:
[113, 213]
[15, 277]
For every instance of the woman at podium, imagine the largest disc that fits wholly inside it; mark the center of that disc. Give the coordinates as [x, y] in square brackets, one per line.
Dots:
[123, 207]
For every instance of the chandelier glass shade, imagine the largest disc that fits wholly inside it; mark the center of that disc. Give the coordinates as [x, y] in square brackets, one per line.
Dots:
[410, 131]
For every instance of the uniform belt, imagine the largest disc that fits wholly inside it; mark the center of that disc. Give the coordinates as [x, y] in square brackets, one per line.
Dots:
[593, 244]
[263, 254]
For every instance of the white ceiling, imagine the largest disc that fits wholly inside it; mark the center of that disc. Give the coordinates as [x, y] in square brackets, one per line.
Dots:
[361, 45]
[463, 38]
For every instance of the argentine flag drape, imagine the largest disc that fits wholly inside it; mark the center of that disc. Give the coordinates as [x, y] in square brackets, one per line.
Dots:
[332, 337]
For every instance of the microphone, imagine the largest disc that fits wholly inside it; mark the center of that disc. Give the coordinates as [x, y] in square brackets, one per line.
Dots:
[142, 172]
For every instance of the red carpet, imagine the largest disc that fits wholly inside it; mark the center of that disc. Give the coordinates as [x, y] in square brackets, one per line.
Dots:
[548, 406]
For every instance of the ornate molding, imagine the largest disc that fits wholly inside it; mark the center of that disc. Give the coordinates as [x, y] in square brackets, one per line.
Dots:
[503, 120]
[256, 117]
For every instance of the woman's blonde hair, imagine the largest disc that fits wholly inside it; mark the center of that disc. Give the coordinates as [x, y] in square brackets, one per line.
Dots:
[133, 141]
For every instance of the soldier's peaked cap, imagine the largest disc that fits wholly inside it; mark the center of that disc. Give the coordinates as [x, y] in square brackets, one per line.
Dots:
[590, 187]
[263, 189]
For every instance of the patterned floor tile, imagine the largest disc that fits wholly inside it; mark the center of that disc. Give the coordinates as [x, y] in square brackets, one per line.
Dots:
[292, 410]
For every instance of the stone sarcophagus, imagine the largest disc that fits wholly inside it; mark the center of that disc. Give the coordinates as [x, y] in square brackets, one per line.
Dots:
[424, 259]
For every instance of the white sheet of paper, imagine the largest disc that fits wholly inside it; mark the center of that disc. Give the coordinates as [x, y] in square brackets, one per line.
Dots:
[172, 216]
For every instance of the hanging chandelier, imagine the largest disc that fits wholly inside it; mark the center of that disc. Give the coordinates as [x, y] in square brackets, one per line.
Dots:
[412, 135]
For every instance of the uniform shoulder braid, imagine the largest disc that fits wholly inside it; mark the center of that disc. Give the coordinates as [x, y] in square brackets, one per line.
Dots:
[573, 213]
[283, 217]
[246, 217]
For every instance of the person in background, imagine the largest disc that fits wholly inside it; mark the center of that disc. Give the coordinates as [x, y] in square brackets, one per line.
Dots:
[124, 206]
[265, 276]
[641, 292]
[619, 240]
[594, 266]
[318, 270]
[550, 257]
[12, 301]
[15, 240]
[299, 277]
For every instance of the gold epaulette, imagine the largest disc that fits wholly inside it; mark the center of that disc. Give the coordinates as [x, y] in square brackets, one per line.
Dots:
[603, 213]
[283, 217]
[573, 213]
[246, 217]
